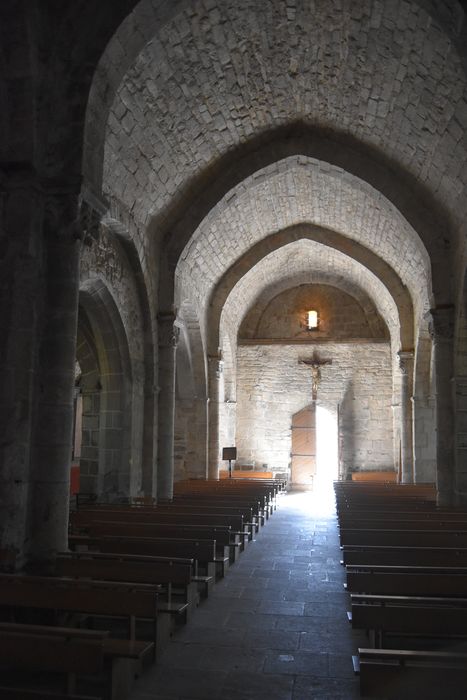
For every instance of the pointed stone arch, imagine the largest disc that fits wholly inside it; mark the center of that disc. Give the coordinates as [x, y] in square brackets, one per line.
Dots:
[191, 420]
[113, 425]
[356, 251]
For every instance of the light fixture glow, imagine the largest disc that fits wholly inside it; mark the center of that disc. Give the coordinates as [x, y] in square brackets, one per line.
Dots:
[312, 320]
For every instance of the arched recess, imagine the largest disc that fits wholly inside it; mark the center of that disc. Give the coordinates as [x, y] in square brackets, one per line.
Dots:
[355, 251]
[146, 18]
[109, 412]
[143, 290]
[354, 383]
[191, 420]
[429, 220]
[376, 326]
[87, 406]
[260, 279]
[253, 303]
[424, 410]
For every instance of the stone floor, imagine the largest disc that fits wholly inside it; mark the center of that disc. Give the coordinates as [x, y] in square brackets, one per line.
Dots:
[275, 627]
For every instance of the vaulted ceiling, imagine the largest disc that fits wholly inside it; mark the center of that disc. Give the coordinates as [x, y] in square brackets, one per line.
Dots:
[227, 123]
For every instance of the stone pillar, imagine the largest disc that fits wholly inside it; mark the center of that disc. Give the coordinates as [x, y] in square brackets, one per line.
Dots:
[406, 363]
[460, 407]
[20, 317]
[168, 339]
[150, 437]
[215, 369]
[442, 334]
[202, 417]
[64, 225]
[424, 439]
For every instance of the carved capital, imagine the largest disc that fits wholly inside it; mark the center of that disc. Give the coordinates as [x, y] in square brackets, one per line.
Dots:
[441, 325]
[92, 209]
[90, 223]
[61, 215]
[405, 358]
[169, 333]
[216, 365]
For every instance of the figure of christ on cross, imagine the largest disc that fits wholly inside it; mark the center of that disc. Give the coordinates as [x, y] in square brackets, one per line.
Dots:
[315, 363]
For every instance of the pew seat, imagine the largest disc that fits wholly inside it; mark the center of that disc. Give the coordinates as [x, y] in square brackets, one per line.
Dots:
[402, 580]
[403, 556]
[62, 597]
[173, 577]
[410, 616]
[20, 693]
[122, 659]
[400, 674]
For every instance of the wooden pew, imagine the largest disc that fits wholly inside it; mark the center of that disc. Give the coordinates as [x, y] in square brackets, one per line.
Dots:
[396, 515]
[404, 556]
[413, 616]
[202, 551]
[404, 538]
[266, 491]
[28, 694]
[405, 584]
[243, 474]
[226, 540]
[446, 526]
[397, 674]
[191, 507]
[402, 580]
[98, 599]
[51, 654]
[435, 523]
[83, 517]
[250, 520]
[237, 501]
[174, 577]
[352, 495]
[375, 476]
[117, 659]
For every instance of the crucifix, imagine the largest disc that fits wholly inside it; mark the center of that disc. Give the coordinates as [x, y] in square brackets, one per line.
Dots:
[315, 363]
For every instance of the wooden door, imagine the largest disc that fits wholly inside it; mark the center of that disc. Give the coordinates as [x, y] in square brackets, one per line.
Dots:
[304, 447]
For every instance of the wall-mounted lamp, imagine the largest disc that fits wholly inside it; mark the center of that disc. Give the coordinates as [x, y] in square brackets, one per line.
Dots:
[312, 320]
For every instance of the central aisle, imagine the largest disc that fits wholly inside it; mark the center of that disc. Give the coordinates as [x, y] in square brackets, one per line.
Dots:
[275, 627]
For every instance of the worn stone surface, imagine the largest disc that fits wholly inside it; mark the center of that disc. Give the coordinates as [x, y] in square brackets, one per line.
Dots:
[275, 627]
[212, 129]
[339, 202]
[272, 386]
[339, 316]
[235, 69]
[113, 334]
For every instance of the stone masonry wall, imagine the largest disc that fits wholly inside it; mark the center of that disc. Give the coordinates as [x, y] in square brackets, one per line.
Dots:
[341, 316]
[272, 386]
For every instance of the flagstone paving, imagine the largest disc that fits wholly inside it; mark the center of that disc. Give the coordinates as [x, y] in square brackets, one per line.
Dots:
[275, 628]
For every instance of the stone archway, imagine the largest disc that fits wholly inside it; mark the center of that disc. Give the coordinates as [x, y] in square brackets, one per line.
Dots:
[190, 430]
[108, 423]
[89, 387]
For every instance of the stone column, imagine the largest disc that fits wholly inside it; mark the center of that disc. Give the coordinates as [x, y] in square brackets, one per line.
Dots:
[406, 363]
[460, 408]
[215, 369]
[64, 225]
[202, 418]
[424, 432]
[442, 334]
[150, 437]
[20, 317]
[168, 339]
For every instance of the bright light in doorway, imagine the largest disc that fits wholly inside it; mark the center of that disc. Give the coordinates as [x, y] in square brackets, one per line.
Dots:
[326, 457]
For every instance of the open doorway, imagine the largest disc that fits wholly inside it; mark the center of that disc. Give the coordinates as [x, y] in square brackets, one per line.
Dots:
[327, 453]
[314, 452]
